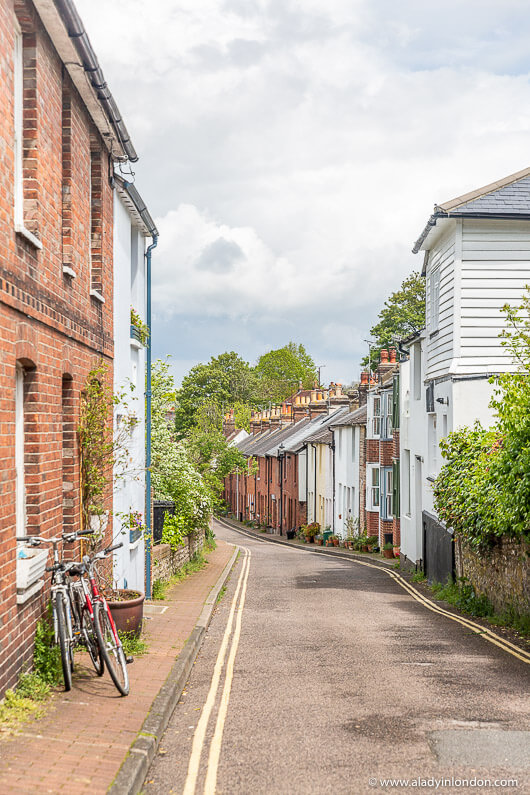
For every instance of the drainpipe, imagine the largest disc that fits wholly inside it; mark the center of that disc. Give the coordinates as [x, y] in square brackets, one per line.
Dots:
[332, 445]
[315, 489]
[148, 401]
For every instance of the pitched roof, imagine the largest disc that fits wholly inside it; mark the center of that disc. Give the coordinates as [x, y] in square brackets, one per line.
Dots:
[357, 417]
[315, 429]
[506, 198]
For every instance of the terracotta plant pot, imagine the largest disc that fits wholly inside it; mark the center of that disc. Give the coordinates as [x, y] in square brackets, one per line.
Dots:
[311, 539]
[335, 542]
[364, 548]
[388, 553]
[128, 611]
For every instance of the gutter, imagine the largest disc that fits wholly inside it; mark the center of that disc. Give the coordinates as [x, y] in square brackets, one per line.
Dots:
[77, 33]
[444, 214]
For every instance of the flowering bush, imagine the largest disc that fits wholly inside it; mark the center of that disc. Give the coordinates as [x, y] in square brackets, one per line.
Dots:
[173, 475]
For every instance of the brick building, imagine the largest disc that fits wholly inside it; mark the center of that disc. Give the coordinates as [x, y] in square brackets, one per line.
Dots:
[60, 133]
[382, 449]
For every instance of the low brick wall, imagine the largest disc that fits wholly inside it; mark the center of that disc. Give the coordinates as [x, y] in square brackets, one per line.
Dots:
[503, 575]
[166, 562]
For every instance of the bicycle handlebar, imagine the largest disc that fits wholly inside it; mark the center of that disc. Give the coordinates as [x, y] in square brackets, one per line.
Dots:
[107, 550]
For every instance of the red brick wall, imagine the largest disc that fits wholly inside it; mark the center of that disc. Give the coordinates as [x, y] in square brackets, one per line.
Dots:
[372, 451]
[48, 321]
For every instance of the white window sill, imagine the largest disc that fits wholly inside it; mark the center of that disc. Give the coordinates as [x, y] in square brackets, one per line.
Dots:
[25, 594]
[135, 344]
[21, 230]
[97, 296]
[67, 271]
[136, 544]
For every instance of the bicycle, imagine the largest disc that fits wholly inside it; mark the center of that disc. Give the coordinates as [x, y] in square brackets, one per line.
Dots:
[96, 607]
[65, 636]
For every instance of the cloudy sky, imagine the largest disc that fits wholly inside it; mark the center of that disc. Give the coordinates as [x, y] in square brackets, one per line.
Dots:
[292, 150]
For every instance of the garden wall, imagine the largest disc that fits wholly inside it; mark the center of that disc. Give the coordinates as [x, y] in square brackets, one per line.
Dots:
[503, 575]
[166, 562]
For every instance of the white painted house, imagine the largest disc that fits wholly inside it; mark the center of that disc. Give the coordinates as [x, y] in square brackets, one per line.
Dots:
[132, 224]
[476, 259]
[348, 433]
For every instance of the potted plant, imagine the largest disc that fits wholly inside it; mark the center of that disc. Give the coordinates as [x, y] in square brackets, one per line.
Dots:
[397, 551]
[388, 550]
[319, 540]
[311, 531]
[372, 542]
[127, 608]
[334, 540]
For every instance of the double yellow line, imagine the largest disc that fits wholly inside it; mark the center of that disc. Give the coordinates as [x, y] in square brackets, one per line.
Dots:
[200, 732]
[477, 629]
[485, 633]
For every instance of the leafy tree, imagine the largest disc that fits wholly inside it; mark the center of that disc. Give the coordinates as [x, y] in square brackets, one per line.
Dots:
[242, 413]
[402, 314]
[280, 372]
[483, 491]
[223, 381]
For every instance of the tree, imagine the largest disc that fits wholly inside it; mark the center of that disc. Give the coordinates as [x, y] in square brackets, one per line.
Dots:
[402, 314]
[483, 491]
[280, 371]
[173, 475]
[223, 381]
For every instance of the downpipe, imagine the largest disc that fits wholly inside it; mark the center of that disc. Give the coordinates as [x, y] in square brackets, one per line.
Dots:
[148, 428]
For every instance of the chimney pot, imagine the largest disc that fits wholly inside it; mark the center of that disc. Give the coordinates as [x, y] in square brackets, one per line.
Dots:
[392, 354]
[313, 395]
[384, 356]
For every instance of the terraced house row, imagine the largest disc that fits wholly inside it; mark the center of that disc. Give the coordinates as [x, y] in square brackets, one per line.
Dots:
[372, 458]
[72, 238]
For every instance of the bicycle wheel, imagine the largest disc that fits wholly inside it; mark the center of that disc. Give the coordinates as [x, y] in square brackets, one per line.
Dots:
[111, 650]
[91, 642]
[64, 641]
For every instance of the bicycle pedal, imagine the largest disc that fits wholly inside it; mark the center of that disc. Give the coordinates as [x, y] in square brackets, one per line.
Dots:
[129, 659]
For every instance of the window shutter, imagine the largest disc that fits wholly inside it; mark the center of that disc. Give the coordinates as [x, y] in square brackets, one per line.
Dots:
[395, 488]
[395, 401]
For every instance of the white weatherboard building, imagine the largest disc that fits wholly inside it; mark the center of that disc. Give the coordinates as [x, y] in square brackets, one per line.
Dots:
[132, 224]
[476, 259]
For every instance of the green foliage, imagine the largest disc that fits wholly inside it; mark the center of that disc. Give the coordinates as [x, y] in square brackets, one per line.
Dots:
[143, 328]
[224, 381]
[483, 491]
[104, 451]
[418, 576]
[280, 372]
[402, 314]
[242, 414]
[174, 530]
[462, 596]
[174, 475]
[132, 645]
[47, 655]
[159, 590]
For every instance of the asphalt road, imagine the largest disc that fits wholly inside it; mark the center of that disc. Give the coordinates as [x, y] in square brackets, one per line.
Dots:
[333, 679]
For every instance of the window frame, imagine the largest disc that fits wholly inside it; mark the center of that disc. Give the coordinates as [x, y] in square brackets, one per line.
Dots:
[373, 489]
[376, 416]
[386, 488]
[18, 126]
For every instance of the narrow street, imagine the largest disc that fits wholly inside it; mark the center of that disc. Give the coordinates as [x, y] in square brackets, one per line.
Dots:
[340, 680]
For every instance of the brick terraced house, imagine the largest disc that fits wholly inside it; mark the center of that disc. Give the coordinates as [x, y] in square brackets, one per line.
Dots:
[60, 135]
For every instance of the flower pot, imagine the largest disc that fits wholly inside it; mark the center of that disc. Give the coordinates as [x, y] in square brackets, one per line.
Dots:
[388, 553]
[364, 548]
[335, 542]
[396, 552]
[310, 539]
[31, 567]
[128, 610]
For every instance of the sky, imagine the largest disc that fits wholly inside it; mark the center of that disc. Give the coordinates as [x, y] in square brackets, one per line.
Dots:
[291, 152]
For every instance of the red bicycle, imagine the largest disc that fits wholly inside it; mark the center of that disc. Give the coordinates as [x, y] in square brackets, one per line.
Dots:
[94, 614]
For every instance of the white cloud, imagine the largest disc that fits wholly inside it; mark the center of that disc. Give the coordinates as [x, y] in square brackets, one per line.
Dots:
[314, 138]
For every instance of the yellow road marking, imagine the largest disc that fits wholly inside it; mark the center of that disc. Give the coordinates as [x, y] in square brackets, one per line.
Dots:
[487, 634]
[200, 731]
[217, 739]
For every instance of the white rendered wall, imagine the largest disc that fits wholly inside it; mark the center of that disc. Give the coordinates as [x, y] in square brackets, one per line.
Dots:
[346, 476]
[129, 366]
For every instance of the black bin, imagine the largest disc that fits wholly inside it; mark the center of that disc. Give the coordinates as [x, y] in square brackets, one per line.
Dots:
[160, 508]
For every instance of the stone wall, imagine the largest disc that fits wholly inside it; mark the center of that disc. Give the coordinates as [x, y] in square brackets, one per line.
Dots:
[166, 562]
[503, 575]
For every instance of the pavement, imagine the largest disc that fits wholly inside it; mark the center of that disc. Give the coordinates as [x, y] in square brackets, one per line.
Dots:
[91, 739]
[339, 680]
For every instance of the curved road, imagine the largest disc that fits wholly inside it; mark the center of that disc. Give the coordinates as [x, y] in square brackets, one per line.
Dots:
[323, 676]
